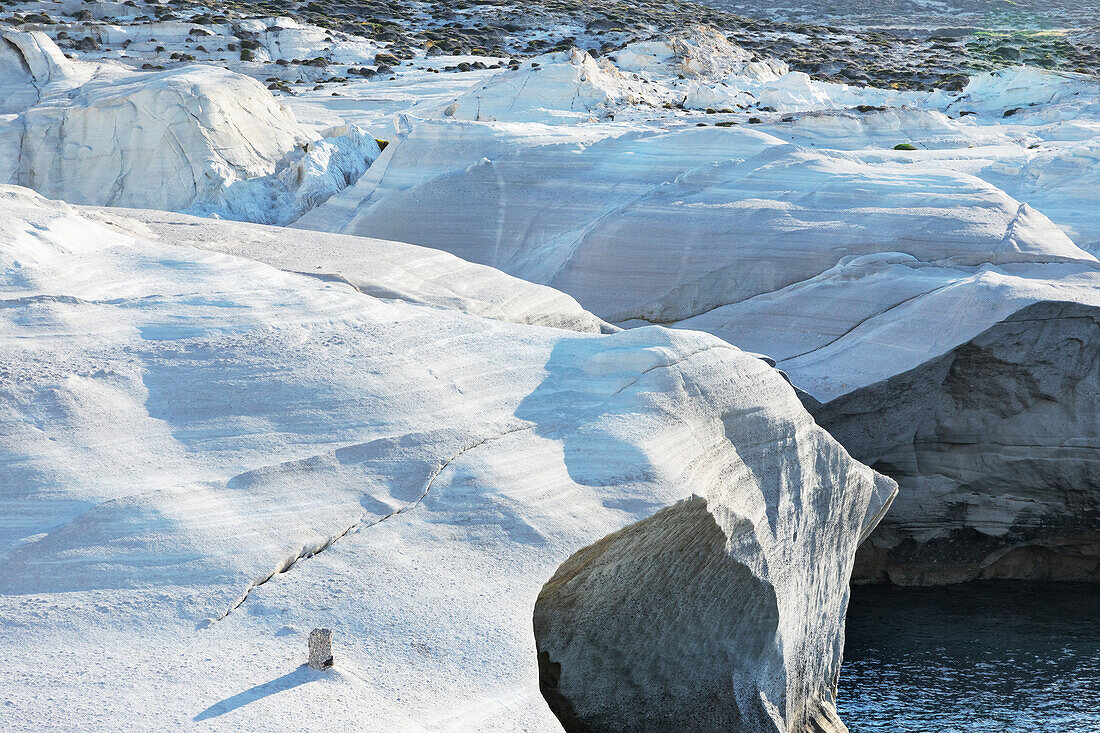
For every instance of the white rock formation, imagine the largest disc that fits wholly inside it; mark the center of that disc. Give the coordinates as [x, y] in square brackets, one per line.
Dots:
[99, 134]
[557, 87]
[38, 57]
[267, 39]
[286, 38]
[1055, 121]
[720, 73]
[730, 231]
[848, 267]
[302, 180]
[699, 52]
[693, 70]
[1023, 86]
[205, 456]
[374, 267]
[102, 141]
[686, 621]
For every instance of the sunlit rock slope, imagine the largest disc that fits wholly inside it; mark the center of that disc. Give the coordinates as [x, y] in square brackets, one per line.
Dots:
[205, 456]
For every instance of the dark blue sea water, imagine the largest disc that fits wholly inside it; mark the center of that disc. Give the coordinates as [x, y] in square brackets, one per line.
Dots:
[983, 657]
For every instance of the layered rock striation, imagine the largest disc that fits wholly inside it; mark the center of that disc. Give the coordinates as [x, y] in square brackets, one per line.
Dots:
[850, 267]
[994, 445]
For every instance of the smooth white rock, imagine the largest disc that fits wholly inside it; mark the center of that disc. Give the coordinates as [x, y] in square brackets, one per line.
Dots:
[205, 457]
[374, 267]
[731, 231]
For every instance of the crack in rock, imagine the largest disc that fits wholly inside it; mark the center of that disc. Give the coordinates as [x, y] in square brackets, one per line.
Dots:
[361, 523]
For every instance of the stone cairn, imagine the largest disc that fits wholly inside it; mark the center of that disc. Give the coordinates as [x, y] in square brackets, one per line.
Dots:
[320, 648]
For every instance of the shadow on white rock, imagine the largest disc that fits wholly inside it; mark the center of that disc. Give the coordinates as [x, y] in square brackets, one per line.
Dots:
[723, 611]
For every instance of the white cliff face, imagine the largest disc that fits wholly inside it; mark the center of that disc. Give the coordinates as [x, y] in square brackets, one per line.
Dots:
[97, 134]
[200, 443]
[694, 617]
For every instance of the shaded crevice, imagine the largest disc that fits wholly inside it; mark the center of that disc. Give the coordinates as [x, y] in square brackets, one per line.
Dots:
[994, 446]
[658, 628]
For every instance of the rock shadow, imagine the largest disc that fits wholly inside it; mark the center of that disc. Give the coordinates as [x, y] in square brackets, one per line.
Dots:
[290, 680]
[656, 628]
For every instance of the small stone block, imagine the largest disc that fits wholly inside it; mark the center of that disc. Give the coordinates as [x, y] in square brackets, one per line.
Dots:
[320, 648]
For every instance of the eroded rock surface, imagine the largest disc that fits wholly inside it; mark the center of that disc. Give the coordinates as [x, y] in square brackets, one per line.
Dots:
[808, 239]
[99, 133]
[994, 445]
[715, 614]
[374, 267]
[101, 136]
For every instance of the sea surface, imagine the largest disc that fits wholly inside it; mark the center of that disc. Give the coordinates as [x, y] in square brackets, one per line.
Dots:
[982, 657]
[1018, 15]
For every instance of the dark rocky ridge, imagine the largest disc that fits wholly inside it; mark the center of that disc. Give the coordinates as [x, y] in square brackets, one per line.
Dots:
[888, 57]
[874, 57]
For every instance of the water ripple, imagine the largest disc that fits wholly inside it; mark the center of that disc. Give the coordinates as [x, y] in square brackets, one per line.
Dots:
[983, 657]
